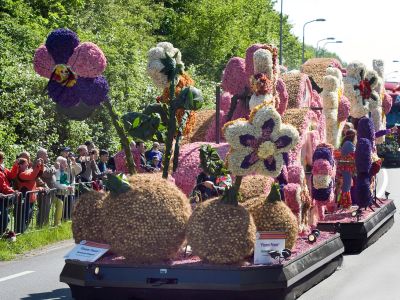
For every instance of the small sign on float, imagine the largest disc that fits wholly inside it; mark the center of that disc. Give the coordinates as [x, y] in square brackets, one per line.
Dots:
[265, 242]
[87, 251]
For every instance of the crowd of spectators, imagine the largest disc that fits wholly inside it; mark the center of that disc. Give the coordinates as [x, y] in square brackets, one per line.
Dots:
[44, 184]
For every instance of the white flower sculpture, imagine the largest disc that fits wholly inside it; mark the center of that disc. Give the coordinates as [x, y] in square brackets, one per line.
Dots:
[377, 114]
[257, 145]
[332, 91]
[359, 87]
[264, 79]
[155, 64]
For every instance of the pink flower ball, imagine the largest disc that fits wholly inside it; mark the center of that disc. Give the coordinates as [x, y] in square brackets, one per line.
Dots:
[189, 164]
[249, 59]
[387, 103]
[43, 63]
[88, 60]
[225, 101]
[343, 109]
[234, 78]
[295, 173]
[291, 191]
[322, 167]
[210, 135]
[283, 96]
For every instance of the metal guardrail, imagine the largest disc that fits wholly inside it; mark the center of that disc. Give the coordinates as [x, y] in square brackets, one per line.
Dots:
[31, 211]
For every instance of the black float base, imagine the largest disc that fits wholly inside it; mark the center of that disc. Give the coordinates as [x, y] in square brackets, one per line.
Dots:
[124, 281]
[356, 236]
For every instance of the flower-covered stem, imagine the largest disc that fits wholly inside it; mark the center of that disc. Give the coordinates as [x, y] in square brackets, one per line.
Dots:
[122, 136]
[171, 129]
[231, 195]
[178, 139]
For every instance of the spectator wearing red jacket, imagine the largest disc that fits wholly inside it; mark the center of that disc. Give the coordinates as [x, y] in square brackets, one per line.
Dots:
[5, 189]
[26, 182]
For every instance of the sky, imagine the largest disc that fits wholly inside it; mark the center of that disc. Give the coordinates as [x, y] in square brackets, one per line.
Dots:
[369, 29]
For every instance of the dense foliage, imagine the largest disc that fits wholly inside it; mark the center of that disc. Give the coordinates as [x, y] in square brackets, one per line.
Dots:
[208, 32]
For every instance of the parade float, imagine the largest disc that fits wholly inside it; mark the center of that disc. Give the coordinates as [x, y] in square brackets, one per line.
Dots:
[159, 247]
[279, 134]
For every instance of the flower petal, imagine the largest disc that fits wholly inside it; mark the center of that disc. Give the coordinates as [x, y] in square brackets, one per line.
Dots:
[88, 60]
[248, 140]
[61, 44]
[238, 132]
[249, 160]
[272, 166]
[62, 95]
[267, 119]
[43, 63]
[235, 160]
[93, 91]
[287, 139]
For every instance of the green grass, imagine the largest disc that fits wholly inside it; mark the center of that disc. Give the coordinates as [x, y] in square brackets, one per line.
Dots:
[33, 240]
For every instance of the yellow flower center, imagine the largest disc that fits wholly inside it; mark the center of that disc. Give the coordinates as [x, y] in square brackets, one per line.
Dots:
[64, 75]
[266, 150]
[340, 93]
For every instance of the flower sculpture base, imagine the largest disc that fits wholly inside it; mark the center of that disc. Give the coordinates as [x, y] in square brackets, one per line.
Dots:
[360, 230]
[113, 278]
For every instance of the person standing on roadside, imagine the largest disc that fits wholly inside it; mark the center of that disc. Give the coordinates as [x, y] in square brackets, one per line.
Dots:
[46, 180]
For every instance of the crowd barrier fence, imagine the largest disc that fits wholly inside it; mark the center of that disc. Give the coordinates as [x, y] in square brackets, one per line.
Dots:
[24, 212]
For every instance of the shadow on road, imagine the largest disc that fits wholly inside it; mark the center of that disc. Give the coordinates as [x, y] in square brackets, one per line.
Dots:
[59, 294]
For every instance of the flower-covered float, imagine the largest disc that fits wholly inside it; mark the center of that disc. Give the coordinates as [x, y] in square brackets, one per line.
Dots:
[160, 247]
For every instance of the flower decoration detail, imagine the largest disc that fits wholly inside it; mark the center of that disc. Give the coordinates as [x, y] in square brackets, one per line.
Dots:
[360, 89]
[74, 71]
[258, 145]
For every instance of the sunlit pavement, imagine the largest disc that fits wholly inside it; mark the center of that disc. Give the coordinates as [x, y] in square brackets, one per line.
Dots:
[375, 273]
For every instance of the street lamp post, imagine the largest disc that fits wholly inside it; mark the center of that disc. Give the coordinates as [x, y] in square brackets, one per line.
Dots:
[280, 34]
[304, 26]
[332, 42]
[325, 39]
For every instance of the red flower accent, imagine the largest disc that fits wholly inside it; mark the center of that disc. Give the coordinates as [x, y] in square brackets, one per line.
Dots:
[365, 89]
[261, 84]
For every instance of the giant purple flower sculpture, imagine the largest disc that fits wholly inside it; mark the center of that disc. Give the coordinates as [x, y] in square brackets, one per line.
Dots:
[259, 144]
[74, 70]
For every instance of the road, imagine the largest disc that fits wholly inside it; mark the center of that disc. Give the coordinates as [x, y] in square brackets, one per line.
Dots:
[373, 274]
[35, 277]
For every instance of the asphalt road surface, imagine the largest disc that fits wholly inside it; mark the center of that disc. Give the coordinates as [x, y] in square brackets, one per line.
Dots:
[373, 274]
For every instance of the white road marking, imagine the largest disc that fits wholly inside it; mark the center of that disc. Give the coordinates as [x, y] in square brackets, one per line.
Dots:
[16, 275]
[382, 190]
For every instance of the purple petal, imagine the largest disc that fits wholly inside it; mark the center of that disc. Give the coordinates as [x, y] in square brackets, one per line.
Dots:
[248, 140]
[267, 129]
[61, 44]
[93, 91]
[270, 164]
[283, 141]
[62, 95]
[249, 160]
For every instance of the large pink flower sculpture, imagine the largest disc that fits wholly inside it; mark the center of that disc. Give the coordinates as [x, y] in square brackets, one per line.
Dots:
[258, 144]
[74, 71]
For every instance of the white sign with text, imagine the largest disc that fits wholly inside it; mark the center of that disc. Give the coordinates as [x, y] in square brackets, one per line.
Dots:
[265, 242]
[87, 251]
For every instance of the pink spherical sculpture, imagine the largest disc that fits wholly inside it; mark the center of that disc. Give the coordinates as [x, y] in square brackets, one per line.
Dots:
[43, 63]
[88, 60]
